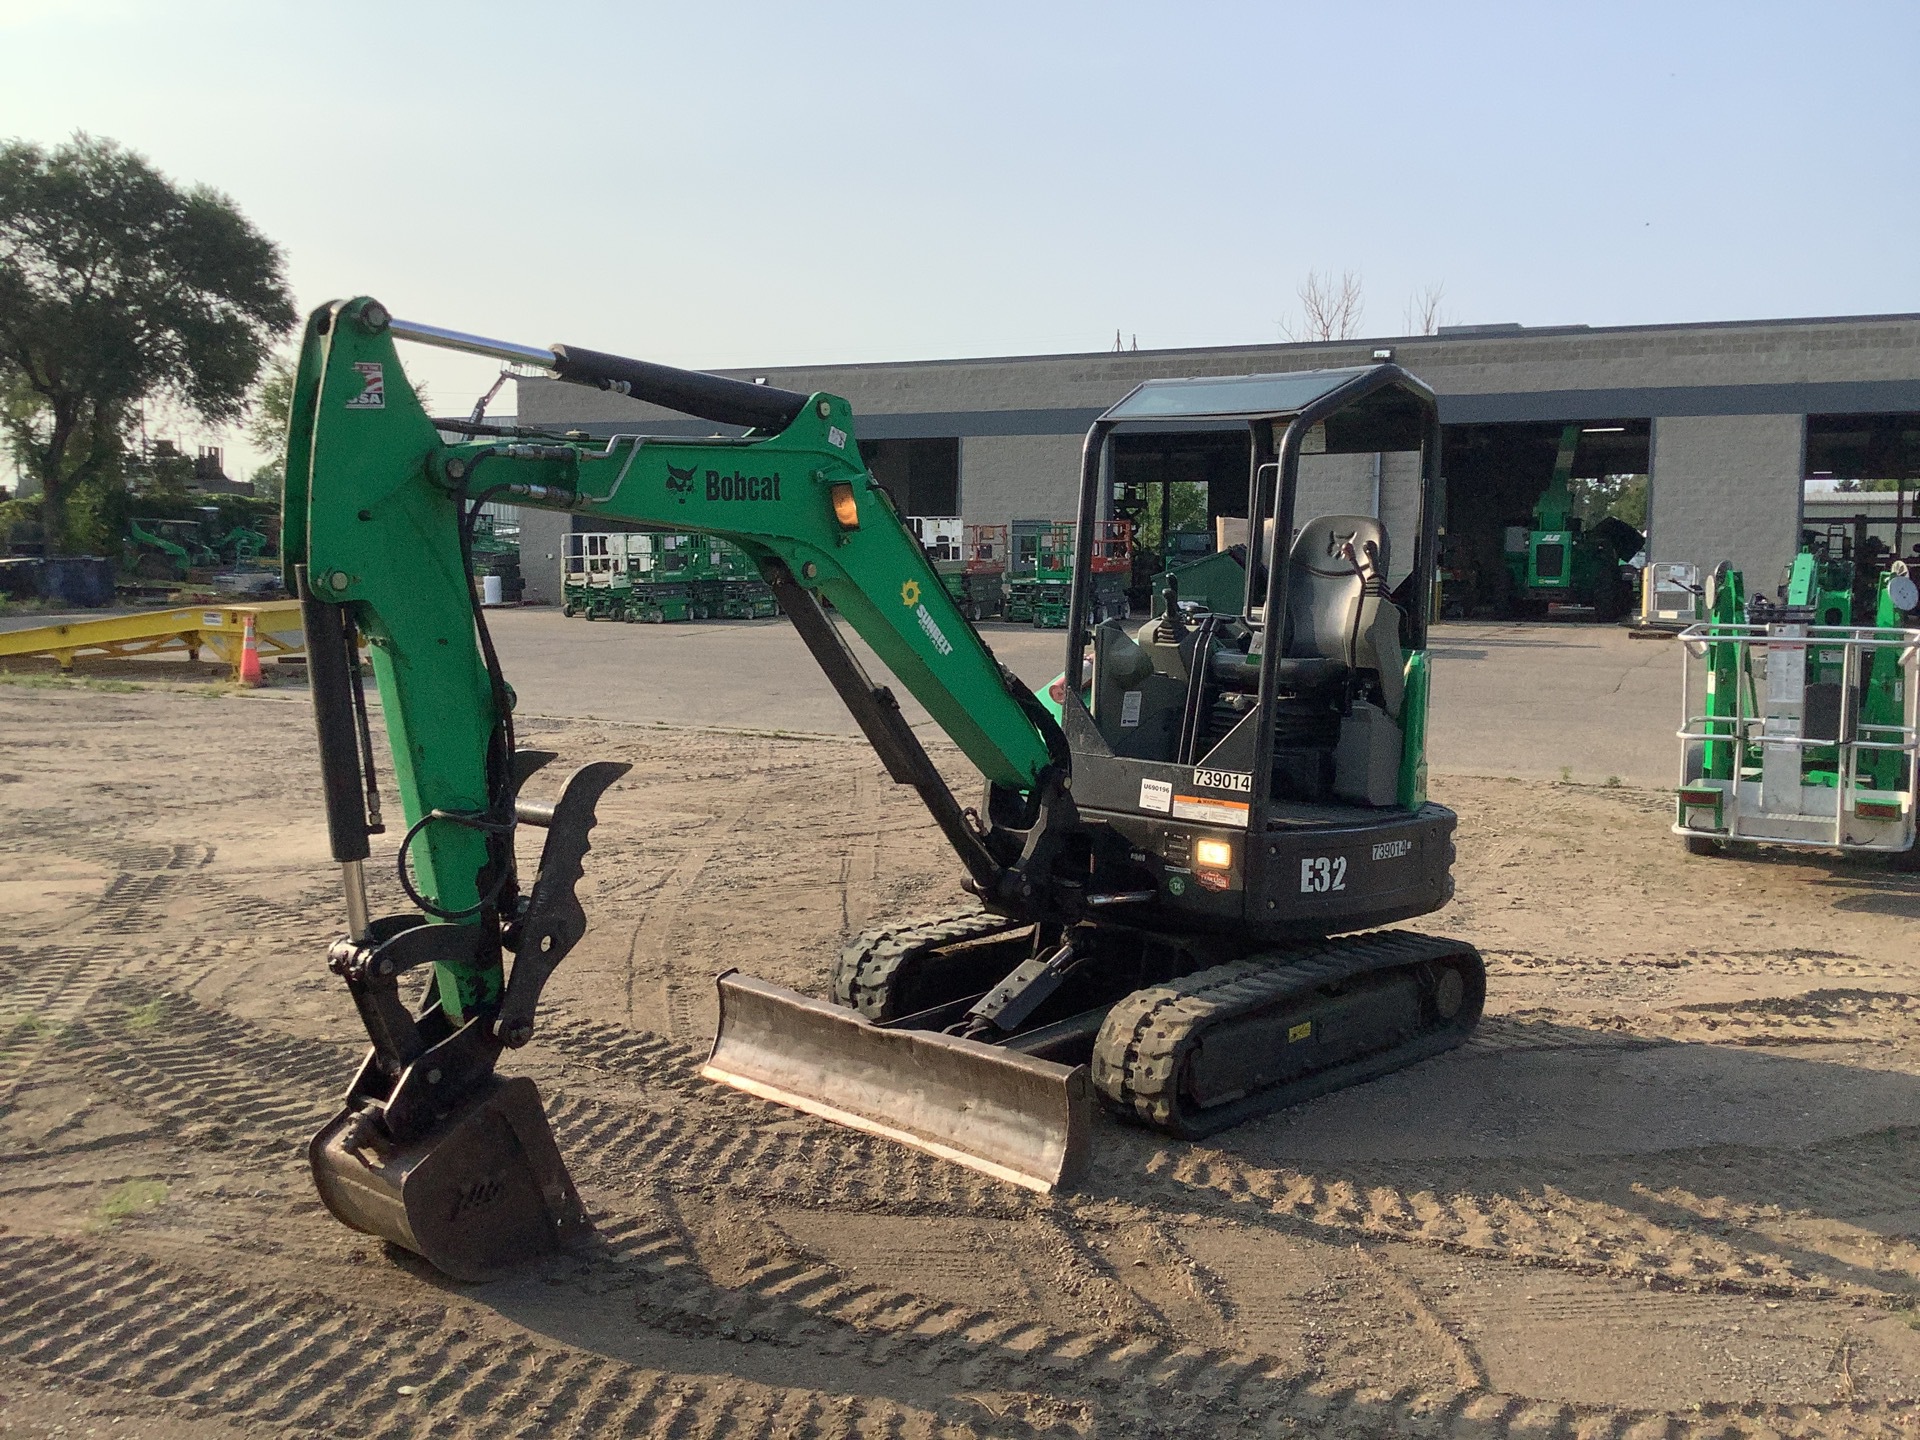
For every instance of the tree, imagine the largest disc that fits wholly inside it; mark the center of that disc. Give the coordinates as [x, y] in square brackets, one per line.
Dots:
[1423, 314]
[267, 426]
[118, 287]
[1623, 497]
[1328, 310]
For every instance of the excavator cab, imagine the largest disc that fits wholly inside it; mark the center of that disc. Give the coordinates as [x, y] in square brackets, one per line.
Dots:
[1248, 785]
[1300, 710]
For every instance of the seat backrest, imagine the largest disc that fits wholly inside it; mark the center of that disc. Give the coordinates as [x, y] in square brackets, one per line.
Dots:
[1327, 573]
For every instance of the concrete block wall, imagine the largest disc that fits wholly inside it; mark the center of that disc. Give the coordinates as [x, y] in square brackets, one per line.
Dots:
[541, 541]
[1730, 467]
[1540, 360]
[1019, 477]
[1728, 487]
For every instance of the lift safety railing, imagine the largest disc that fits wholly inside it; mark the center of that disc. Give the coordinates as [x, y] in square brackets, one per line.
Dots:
[1745, 731]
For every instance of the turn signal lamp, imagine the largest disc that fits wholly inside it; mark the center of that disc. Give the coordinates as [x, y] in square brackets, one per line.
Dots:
[844, 510]
[1216, 853]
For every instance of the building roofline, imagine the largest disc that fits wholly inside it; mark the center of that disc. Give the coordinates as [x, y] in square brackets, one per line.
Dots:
[1309, 347]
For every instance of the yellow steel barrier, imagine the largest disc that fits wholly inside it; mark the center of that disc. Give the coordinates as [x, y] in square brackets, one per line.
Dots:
[189, 629]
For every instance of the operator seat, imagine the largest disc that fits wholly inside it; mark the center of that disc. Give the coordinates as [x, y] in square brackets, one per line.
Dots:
[1339, 618]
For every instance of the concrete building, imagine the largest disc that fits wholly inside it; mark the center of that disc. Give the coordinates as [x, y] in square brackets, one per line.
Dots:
[1726, 419]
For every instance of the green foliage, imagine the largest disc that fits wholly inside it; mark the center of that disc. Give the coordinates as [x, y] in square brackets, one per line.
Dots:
[118, 287]
[36, 681]
[134, 1197]
[267, 426]
[1187, 504]
[1854, 487]
[1624, 497]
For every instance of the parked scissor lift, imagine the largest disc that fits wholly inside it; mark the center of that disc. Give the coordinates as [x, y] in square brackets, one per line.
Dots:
[1111, 566]
[595, 578]
[1797, 732]
[983, 588]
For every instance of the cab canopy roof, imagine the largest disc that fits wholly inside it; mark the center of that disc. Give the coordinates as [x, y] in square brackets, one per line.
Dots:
[1382, 400]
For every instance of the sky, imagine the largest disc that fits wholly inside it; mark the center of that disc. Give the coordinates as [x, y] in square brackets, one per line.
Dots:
[723, 184]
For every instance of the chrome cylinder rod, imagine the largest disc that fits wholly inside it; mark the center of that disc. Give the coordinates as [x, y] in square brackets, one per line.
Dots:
[354, 881]
[472, 344]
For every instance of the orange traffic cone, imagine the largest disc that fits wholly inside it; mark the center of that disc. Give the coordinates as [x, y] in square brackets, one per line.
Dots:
[250, 656]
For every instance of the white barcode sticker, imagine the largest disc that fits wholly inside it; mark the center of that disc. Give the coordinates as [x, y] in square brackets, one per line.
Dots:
[1130, 708]
[1156, 795]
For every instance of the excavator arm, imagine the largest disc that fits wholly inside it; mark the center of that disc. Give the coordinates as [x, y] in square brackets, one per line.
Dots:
[379, 517]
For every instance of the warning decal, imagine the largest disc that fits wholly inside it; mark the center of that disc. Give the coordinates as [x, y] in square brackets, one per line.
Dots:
[1210, 811]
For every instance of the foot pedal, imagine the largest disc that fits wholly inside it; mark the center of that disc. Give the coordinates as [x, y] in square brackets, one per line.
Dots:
[484, 1192]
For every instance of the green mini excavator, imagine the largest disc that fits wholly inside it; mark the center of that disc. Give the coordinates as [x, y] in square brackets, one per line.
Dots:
[1180, 859]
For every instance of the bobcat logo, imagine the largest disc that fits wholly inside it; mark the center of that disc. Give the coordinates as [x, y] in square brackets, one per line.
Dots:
[680, 482]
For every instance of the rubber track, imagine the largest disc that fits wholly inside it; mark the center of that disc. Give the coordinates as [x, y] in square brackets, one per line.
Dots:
[863, 975]
[1138, 1059]
[306, 1362]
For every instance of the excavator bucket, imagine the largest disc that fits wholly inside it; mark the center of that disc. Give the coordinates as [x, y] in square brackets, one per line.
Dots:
[1008, 1115]
[476, 1196]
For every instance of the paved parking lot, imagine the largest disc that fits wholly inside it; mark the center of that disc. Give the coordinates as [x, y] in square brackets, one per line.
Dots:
[1509, 699]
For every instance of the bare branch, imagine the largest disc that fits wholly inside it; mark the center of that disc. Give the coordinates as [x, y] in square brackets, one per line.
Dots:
[1423, 313]
[1329, 310]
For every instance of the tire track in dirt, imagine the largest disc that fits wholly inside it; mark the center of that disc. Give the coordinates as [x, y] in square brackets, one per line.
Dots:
[309, 1363]
[213, 1080]
[184, 1072]
[42, 992]
[652, 960]
[860, 865]
[306, 1361]
[220, 1082]
[1661, 1219]
[1836, 964]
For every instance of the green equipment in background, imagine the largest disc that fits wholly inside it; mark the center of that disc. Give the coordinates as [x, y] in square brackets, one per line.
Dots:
[1799, 724]
[1216, 582]
[1039, 593]
[1559, 564]
[1040, 598]
[166, 549]
[242, 545]
[660, 576]
[170, 548]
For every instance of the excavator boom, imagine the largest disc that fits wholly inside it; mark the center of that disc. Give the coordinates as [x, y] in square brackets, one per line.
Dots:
[380, 512]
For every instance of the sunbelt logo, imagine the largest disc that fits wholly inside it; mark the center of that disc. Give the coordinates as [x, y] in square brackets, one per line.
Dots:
[910, 597]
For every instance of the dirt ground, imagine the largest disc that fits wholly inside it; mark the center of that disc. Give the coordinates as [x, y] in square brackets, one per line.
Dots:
[1671, 1189]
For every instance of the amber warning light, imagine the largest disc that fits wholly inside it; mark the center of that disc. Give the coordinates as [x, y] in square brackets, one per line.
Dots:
[1216, 853]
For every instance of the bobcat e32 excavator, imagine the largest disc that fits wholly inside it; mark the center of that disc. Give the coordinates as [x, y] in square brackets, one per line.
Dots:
[1170, 858]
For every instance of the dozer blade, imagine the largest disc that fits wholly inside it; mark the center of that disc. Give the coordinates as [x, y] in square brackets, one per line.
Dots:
[997, 1111]
[482, 1193]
